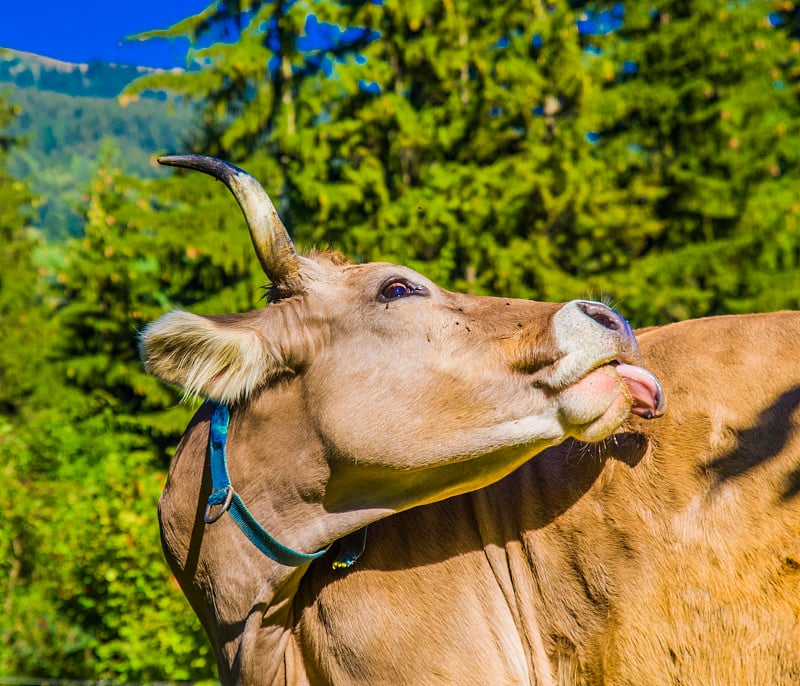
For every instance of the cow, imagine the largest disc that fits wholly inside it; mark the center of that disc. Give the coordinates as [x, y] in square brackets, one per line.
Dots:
[395, 484]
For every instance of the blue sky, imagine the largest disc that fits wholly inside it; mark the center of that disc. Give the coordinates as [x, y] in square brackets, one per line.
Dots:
[82, 30]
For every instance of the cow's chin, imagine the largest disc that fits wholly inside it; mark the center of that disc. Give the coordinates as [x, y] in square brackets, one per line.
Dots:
[595, 406]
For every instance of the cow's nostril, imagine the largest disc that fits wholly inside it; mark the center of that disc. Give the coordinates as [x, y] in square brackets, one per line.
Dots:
[604, 316]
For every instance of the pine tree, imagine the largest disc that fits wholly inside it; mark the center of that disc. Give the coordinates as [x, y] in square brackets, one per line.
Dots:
[143, 251]
[702, 101]
[540, 150]
[454, 142]
[19, 295]
[88, 595]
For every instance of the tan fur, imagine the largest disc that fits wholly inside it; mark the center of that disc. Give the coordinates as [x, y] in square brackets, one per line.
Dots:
[663, 556]
[501, 549]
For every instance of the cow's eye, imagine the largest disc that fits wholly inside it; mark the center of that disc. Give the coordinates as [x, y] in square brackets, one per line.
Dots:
[396, 289]
[400, 288]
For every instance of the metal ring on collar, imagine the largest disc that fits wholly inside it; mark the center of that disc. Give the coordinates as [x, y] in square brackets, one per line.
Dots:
[208, 518]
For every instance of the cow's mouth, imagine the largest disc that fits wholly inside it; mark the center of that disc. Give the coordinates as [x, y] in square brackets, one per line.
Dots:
[648, 399]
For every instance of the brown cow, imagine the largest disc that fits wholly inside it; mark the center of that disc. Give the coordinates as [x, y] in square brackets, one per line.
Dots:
[664, 552]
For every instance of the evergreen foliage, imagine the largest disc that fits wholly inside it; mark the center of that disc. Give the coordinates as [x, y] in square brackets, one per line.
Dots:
[18, 286]
[711, 117]
[87, 593]
[546, 150]
[535, 150]
[93, 598]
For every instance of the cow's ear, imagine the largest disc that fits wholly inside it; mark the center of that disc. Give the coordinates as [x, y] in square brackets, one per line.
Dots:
[223, 358]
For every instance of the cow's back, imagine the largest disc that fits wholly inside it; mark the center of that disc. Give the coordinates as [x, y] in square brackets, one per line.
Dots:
[719, 504]
[670, 554]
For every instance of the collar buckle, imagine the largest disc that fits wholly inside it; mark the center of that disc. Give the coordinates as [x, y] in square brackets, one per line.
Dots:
[214, 499]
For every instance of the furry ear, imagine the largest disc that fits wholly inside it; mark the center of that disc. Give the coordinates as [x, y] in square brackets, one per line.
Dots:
[224, 358]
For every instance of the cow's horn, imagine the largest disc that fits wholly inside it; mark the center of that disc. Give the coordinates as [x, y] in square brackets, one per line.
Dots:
[271, 240]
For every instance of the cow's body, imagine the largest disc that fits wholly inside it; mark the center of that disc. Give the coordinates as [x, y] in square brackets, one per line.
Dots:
[501, 549]
[667, 554]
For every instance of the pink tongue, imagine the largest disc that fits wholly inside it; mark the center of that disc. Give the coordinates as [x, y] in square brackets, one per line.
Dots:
[648, 397]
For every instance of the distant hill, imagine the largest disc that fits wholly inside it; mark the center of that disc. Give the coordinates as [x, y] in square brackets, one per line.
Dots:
[67, 111]
[96, 79]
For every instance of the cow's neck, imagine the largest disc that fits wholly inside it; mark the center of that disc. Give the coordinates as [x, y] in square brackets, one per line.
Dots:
[280, 468]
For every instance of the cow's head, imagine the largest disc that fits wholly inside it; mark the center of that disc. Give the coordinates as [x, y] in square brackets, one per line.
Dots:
[415, 392]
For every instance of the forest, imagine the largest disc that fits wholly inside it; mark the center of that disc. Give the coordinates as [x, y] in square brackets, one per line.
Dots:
[646, 154]
[66, 114]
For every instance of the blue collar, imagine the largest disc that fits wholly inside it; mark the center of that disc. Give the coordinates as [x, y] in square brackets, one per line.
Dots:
[223, 495]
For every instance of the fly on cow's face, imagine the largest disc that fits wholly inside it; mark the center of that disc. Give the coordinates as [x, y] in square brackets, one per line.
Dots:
[395, 289]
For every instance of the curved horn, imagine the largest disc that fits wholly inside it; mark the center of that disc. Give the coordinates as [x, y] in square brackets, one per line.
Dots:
[271, 240]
